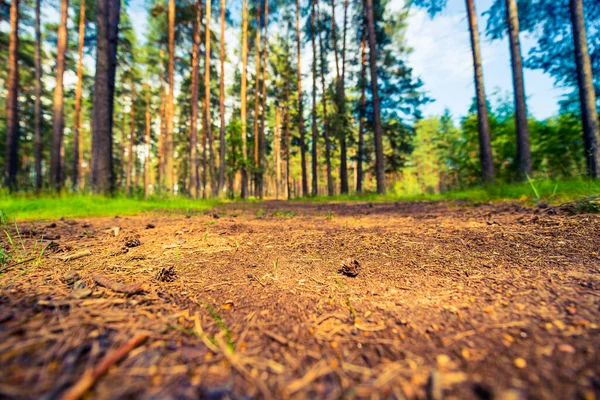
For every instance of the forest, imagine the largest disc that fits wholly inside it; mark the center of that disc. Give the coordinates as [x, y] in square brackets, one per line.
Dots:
[317, 103]
[300, 199]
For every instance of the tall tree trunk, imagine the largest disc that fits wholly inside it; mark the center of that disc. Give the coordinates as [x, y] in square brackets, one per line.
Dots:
[301, 107]
[222, 144]
[107, 29]
[194, 176]
[330, 189]
[77, 175]
[379, 164]
[341, 86]
[208, 126]
[287, 144]
[56, 159]
[360, 156]
[147, 144]
[243, 94]
[334, 39]
[122, 165]
[261, 137]
[587, 96]
[170, 107]
[257, 93]
[315, 131]
[12, 108]
[485, 147]
[130, 155]
[277, 151]
[162, 113]
[523, 150]
[38, 142]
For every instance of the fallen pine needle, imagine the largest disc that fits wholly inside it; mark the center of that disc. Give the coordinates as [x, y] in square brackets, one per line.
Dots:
[90, 377]
[127, 288]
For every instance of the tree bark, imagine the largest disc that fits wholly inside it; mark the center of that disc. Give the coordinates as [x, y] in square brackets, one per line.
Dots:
[243, 99]
[162, 114]
[379, 163]
[301, 107]
[170, 106]
[56, 151]
[342, 110]
[77, 175]
[38, 142]
[587, 96]
[130, 155]
[361, 117]
[207, 117]
[277, 151]
[107, 28]
[485, 147]
[222, 144]
[523, 149]
[147, 144]
[194, 176]
[330, 189]
[315, 132]
[257, 94]
[12, 108]
[261, 137]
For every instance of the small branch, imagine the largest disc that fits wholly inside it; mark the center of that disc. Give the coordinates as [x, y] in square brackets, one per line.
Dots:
[90, 377]
[131, 288]
[6, 268]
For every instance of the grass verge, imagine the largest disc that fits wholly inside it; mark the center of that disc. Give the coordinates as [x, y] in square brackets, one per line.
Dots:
[29, 207]
[530, 192]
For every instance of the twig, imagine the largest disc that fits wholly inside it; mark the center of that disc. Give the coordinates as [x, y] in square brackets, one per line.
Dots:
[7, 267]
[131, 288]
[90, 377]
[75, 256]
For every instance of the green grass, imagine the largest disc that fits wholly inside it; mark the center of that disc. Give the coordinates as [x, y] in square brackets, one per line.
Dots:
[47, 206]
[531, 192]
[29, 207]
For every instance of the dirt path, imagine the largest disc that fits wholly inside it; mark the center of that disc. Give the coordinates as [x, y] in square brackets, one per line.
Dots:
[470, 302]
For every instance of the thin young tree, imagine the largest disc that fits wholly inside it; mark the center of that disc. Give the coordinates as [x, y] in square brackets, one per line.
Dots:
[243, 100]
[330, 189]
[485, 146]
[77, 175]
[170, 106]
[222, 144]
[379, 164]
[207, 118]
[341, 87]
[523, 148]
[360, 153]
[12, 116]
[38, 140]
[194, 184]
[147, 144]
[587, 96]
[131, 141]
[107, 29]
[300, 108]
[315, 131]
[261, 137]
[58, 122]
[257, 94]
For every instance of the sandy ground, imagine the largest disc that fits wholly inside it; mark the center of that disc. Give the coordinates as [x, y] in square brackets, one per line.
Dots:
[247, 301]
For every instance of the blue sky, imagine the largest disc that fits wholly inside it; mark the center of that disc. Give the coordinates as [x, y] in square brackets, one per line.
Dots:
[442, 57]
